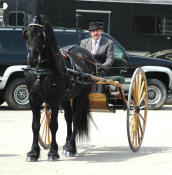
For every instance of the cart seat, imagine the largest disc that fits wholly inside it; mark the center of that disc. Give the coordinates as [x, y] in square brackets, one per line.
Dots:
[120, 79]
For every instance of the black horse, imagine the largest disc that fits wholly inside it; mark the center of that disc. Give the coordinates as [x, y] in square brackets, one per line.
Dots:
[48, 80]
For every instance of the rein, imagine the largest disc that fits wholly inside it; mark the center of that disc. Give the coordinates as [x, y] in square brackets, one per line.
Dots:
[80, 58]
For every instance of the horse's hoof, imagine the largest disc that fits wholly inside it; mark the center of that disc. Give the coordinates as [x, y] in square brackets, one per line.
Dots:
[53, 158]
[31, 159]
[69, 154]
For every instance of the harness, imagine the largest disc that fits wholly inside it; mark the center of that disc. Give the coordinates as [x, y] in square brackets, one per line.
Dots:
[73, 78]
[77, 75]
[44, 38]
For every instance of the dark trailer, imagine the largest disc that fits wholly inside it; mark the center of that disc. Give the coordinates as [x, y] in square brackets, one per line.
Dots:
[139, 25]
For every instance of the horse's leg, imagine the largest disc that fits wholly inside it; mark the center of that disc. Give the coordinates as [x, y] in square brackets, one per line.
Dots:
[68, 117]
[53, 153]
[33, 155]
[80, 116]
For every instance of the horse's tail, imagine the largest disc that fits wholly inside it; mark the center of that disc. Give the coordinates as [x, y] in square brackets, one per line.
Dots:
[81, 115]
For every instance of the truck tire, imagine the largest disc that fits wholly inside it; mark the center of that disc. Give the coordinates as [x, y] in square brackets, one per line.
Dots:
[17, 95]
[157, 93]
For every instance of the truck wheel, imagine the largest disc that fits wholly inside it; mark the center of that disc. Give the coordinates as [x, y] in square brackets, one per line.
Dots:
[157, 93]
[17, 95]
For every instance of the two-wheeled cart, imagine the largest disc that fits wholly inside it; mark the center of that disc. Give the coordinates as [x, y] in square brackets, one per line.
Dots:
[135, 104]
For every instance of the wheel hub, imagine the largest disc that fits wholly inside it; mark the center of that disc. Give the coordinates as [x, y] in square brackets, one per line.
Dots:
[138, 109]
[151, 94]
[21, 95]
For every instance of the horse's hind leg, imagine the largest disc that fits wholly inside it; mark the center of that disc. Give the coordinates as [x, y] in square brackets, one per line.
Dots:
[33, 155]
[53, 153]
[80, 117]
[68, 117]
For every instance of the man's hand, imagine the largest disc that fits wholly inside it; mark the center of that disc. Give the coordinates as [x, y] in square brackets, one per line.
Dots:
[102, 70]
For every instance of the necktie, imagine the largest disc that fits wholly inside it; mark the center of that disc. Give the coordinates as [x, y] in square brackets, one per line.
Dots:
[93, 51]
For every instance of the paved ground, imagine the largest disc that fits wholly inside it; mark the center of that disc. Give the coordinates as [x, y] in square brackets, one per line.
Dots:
[107, 152]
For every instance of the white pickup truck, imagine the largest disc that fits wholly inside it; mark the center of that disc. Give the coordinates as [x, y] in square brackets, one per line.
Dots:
[13, 89]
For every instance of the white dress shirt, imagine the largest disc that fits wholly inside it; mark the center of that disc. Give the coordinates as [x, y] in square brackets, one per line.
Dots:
[97, 43]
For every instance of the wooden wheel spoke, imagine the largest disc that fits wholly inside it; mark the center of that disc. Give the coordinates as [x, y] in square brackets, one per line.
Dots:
[138, 131]
[48, 122]
[142, 107]
[136, 89]
[43, 130]
[133, 103]
[135, 138]
[142, 98]
[42, 119]
[142, 117]
[141, 128]
[140, 82]
[43, 111]
[45, 135]
[141, 89]
[133, 95]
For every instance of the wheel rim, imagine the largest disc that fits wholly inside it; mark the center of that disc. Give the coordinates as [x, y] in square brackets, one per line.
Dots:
[44, 133]
[137, 110]
[154, 95]
[21, 95]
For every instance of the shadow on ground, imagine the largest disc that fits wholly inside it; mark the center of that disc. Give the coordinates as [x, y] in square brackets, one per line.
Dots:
[4, 107]
[166, 108]
[116, 154]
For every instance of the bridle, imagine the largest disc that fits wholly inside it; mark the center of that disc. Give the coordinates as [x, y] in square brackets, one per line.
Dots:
[44, 40]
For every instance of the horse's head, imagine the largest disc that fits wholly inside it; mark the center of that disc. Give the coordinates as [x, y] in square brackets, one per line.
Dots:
[35, 37]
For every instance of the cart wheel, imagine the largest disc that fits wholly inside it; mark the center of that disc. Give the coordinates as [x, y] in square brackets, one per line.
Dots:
[44, 133]
[137, 109]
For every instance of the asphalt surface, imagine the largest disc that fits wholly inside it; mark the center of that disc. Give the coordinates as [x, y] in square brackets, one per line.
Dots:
[107, 151]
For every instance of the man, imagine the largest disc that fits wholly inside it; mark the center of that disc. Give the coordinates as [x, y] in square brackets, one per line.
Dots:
[100, 47]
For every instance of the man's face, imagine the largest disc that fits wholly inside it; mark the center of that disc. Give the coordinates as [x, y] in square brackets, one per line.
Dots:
[96, 34]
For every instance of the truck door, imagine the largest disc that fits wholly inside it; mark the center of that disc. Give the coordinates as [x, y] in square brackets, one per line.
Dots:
[84, 17]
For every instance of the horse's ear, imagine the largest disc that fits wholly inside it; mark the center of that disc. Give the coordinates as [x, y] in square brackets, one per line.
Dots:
[25, 34]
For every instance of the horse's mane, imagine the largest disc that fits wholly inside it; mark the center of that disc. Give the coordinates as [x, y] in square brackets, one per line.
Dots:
[51, 43]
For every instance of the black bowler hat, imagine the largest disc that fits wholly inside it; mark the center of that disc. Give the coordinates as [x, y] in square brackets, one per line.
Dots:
[94, 26]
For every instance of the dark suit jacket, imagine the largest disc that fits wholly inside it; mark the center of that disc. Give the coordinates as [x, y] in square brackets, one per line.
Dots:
[105, 51]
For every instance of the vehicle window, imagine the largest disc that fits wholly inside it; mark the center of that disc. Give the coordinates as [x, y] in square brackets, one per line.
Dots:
[17, 18]
[66, 38]
[117, 51]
